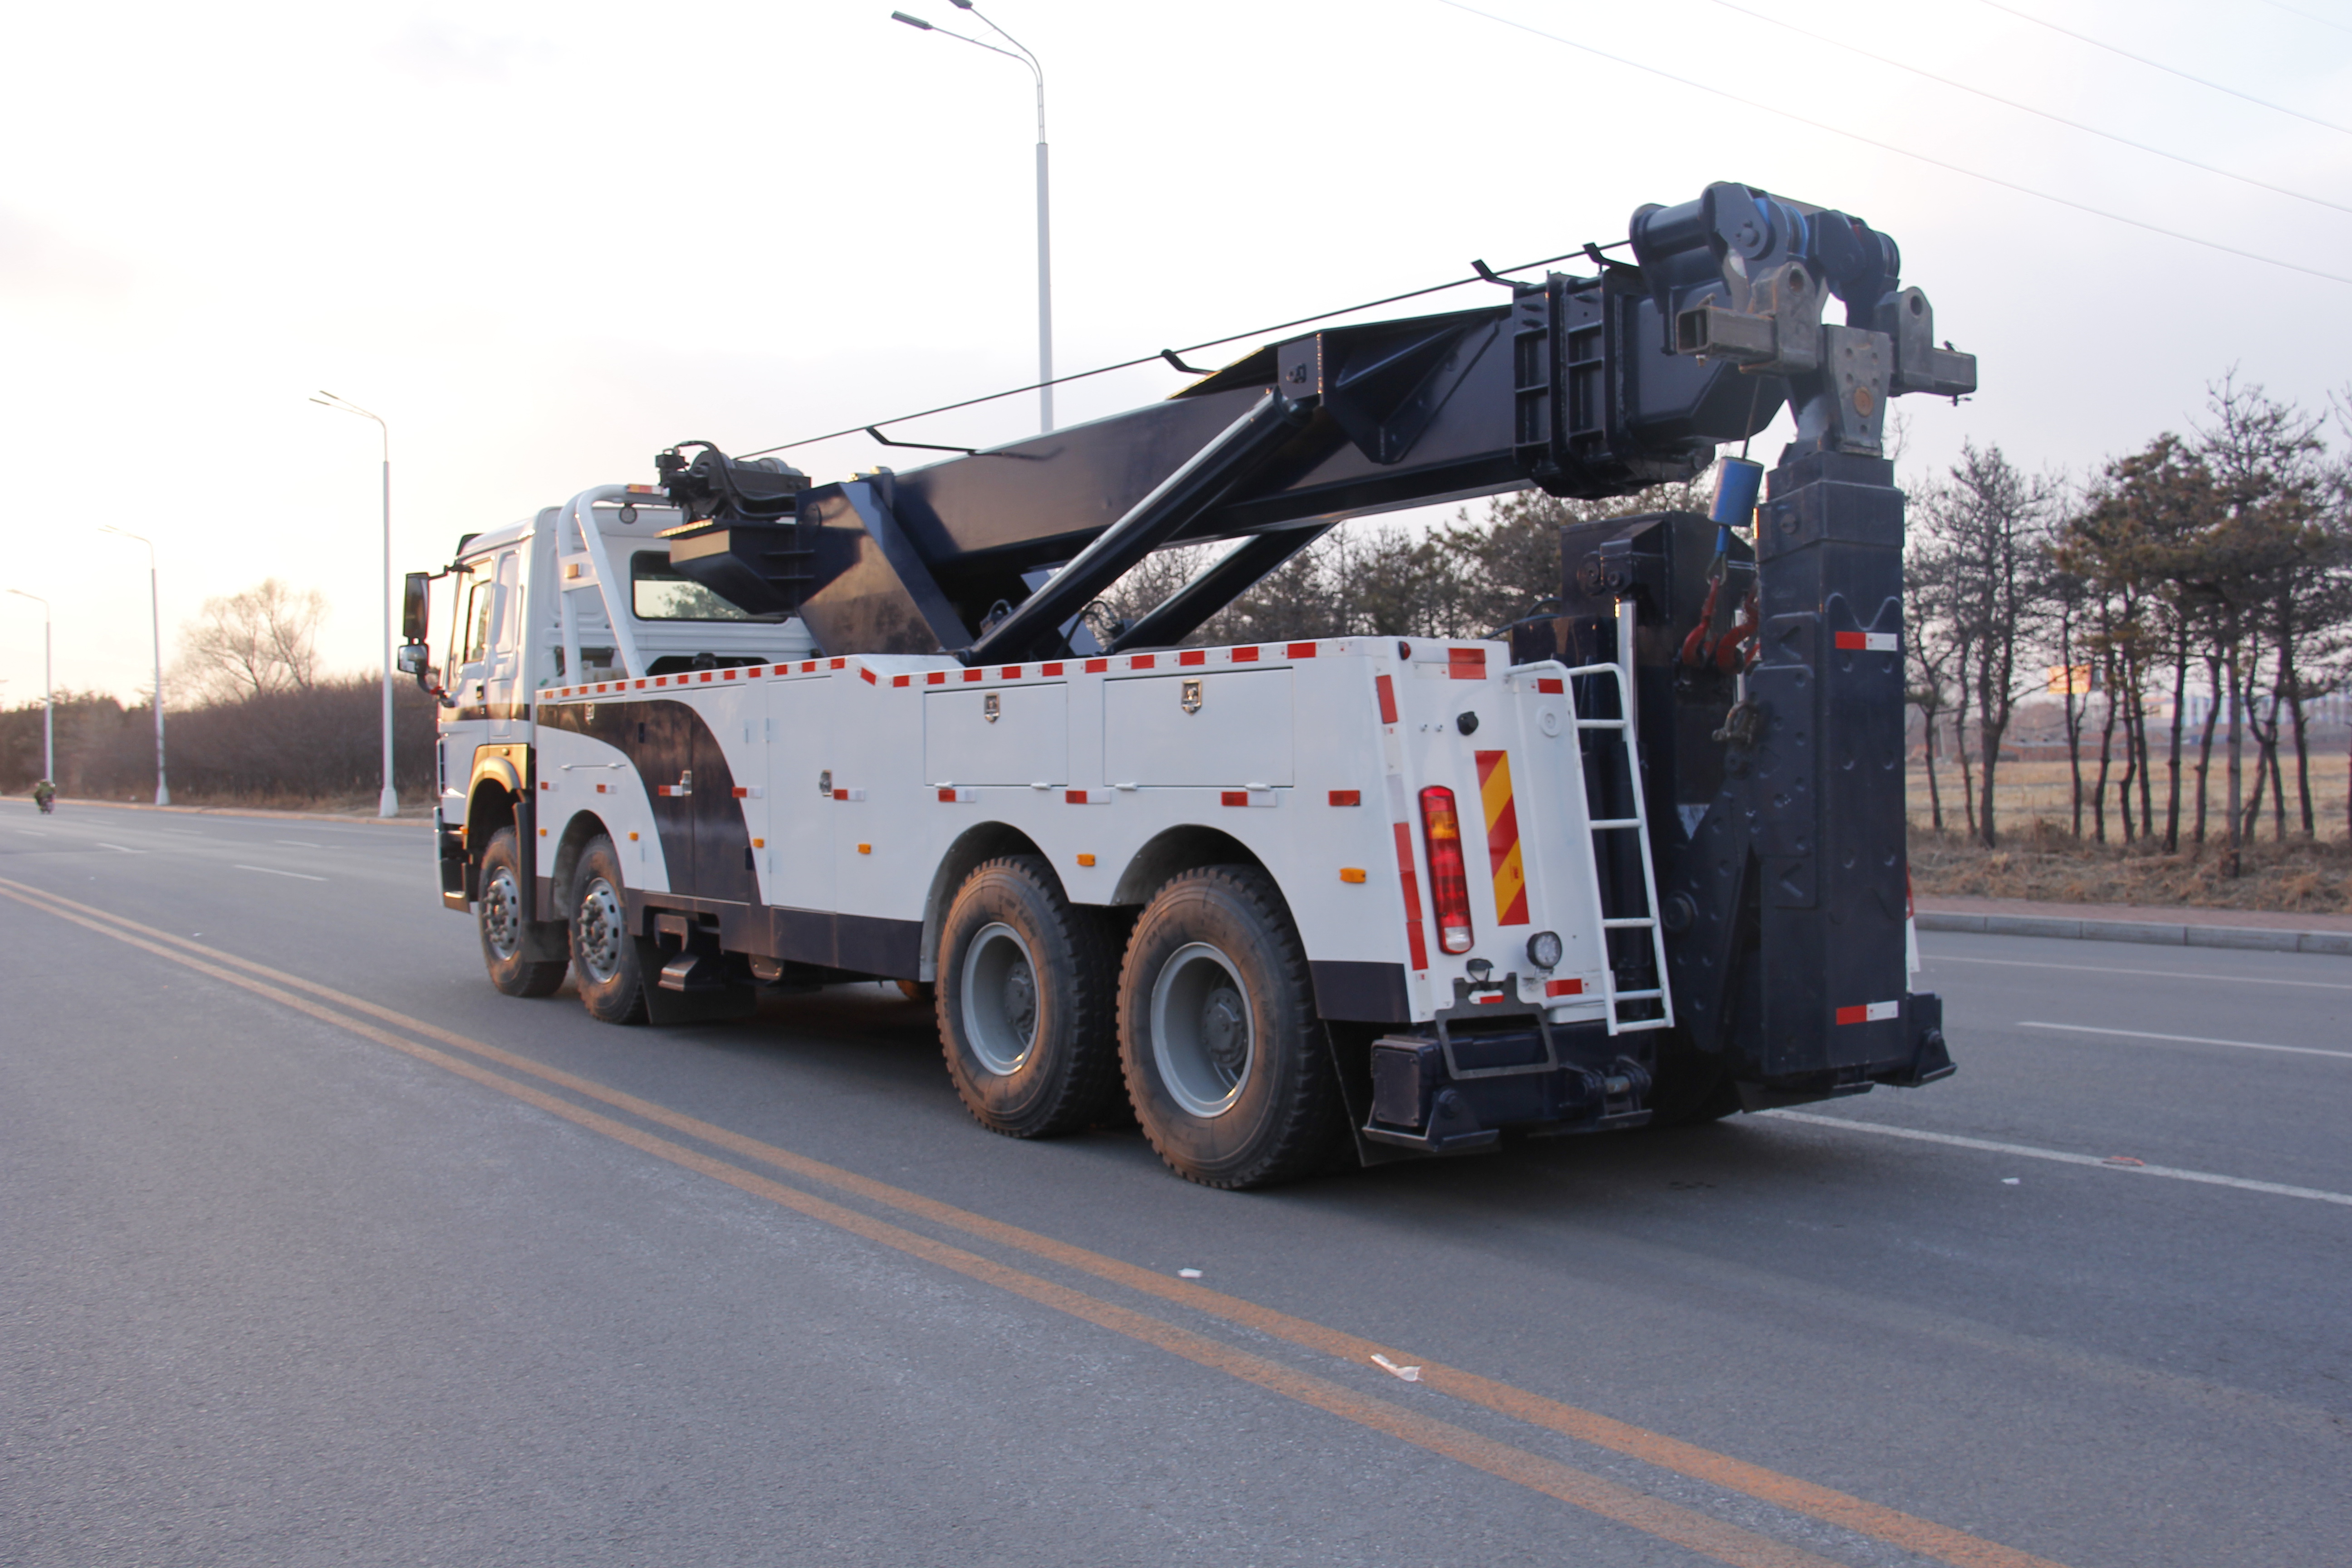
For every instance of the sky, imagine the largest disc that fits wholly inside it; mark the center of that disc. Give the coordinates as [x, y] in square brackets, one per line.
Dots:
[544, 241]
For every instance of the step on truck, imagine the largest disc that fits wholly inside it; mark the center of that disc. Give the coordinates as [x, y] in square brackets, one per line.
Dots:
[1637, 857]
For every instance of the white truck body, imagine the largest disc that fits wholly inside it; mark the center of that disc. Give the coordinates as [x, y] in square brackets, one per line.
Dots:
[819, 809]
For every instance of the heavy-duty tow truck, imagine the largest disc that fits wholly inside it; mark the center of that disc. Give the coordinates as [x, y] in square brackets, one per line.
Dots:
[1636, 859]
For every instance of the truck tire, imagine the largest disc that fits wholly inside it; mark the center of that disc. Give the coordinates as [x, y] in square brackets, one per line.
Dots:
[507, 937]
[1224, 1056]
[1024, 999]
[604, 949]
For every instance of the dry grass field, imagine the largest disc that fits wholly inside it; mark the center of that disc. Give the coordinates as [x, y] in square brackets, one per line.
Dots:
[2032, 790]
[2040, 859]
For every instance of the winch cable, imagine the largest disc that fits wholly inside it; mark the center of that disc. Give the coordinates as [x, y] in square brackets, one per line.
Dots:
[1484, 274]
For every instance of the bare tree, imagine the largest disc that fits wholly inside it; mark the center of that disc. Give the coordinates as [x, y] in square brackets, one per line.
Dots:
[1996, 522]
[1930, 653]
[2268, 461]
[261, 641]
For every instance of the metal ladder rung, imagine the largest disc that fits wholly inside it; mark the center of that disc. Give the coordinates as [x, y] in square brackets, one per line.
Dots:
[1628, 922]
[1639, 995]
[1614, 824]
[1601, 723]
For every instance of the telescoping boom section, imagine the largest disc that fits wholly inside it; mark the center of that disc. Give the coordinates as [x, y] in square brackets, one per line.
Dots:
[1638, 858]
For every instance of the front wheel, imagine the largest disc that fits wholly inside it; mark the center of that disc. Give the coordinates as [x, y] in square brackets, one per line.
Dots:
[1224, 1056]
[508, 939]
[603, 948]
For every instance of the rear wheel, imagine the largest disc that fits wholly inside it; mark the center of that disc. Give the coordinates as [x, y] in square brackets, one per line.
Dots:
[1224, 1056]
[1024, 998]
[604, 949]
[508, 940]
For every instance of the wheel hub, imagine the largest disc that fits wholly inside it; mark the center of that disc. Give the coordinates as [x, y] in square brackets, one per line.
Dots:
[1202, 1034]
[999, 999]
[603, 927]
[503, 914]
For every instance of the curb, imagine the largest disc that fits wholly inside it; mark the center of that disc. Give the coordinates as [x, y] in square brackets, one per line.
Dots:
[2262, 939]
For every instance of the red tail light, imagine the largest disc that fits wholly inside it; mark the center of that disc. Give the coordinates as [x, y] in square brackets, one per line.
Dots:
[1449, 883]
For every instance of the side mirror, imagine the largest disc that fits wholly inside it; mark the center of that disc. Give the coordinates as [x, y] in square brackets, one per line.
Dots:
[415, 607]
[415, 659]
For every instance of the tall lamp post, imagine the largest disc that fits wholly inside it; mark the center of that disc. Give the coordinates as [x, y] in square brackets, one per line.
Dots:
[49, 704]
[155, 614]
[1045, 241]
[388, 804]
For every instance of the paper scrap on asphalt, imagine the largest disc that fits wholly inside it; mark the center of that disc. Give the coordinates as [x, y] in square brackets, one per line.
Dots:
[1410, 1373]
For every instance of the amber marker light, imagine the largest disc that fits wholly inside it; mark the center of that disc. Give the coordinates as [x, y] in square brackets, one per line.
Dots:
[1085, 860]
[1351, 873]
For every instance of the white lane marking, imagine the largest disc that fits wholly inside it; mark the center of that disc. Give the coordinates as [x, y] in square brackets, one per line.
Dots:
[274, 871]
[35, 832]
[2155, 973]
[117, 848]
[2061, 1156]
[2189, 1039]
[299, 842]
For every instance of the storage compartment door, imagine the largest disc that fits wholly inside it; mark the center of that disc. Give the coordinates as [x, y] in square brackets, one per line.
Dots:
[1227, 729]
[1017, 735]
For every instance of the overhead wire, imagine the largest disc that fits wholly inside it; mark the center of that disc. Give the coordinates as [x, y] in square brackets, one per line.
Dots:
[1483, 274]
[2029, 109]
[2306, 16]
[1785, 113]
[2158, 65]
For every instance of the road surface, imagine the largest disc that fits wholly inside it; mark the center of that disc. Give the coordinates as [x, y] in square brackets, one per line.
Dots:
[313, 1248]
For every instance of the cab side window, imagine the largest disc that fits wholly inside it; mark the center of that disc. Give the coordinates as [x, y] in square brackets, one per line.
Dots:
[506, 618]
[480, 598]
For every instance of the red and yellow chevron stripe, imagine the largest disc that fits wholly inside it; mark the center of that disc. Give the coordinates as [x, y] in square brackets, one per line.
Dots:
[1503, 839]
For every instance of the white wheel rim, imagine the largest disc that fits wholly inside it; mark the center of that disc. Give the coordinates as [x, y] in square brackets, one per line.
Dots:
[602, 929]
[503, 914]
[1203, 1037]
[999, 999]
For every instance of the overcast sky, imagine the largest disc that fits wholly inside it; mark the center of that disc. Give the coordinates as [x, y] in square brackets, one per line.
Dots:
[545, 240]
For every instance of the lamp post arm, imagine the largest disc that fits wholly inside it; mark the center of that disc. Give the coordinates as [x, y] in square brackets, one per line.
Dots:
[1027, 57]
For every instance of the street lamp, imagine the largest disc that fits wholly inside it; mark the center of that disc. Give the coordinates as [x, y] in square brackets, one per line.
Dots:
[49, 704]
[388, 804]
[155, 612]
[1044, 244]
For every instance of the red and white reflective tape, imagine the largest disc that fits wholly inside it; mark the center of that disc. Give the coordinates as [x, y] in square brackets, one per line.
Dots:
[1086, 797]
[1870, 642]
[1247, 798]
[1870, 1013]
[849, 795]
[951, 795]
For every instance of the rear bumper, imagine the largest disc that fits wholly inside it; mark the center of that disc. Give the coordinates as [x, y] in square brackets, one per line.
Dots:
[1453, 1086]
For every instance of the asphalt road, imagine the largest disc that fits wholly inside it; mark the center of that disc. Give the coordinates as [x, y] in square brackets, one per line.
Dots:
[313, 1248]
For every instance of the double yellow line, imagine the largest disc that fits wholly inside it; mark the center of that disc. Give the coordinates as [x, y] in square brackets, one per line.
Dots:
[1685, 1527]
